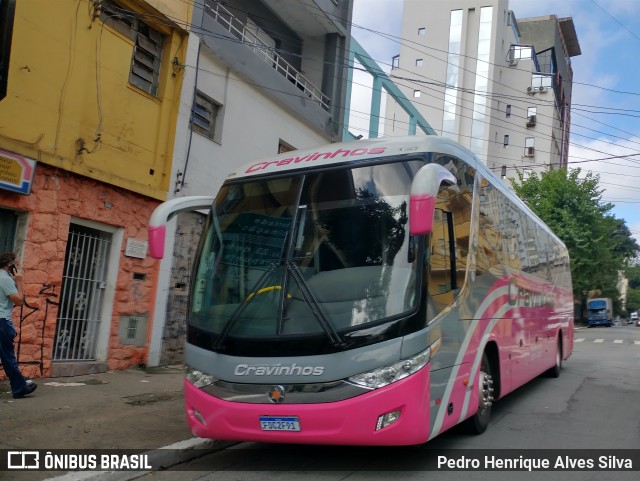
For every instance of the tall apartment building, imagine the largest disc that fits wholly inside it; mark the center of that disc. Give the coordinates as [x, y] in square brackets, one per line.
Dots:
[260, 77]
[497, 85]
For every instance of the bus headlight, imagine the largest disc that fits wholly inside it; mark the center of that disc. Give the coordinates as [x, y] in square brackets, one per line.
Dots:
[198, 378]
[386, 375]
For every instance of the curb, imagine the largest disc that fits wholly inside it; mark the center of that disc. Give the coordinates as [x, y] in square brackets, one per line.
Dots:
[164, 458]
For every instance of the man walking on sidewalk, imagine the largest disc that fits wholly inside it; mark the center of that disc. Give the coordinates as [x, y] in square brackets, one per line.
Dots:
[10, 295]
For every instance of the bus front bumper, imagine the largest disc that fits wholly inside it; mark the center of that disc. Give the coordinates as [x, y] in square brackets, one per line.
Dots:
[349, 422]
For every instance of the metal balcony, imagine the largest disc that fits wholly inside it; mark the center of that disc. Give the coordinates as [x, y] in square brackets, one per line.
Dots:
[239, 30]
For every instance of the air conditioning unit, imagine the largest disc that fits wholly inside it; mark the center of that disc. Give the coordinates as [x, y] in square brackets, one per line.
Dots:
[529, 151]
[512, 62]
[542, 89]
[531, 90]
[531, 121]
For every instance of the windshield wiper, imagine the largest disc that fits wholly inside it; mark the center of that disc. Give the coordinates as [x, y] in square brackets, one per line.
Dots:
[312, 302]
[308, 296]
[240, 309]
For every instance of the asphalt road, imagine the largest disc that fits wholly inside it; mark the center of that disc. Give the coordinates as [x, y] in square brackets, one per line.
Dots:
[594, 405]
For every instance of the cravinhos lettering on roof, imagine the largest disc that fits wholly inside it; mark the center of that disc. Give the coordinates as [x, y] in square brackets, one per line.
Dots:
[315, 156]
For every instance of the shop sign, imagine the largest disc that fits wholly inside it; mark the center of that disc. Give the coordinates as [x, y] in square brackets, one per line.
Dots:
[16, 172]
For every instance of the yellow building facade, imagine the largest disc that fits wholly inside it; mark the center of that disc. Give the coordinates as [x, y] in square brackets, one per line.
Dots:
[88, 111]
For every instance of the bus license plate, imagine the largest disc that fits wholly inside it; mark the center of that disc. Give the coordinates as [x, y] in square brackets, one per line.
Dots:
[272, 423]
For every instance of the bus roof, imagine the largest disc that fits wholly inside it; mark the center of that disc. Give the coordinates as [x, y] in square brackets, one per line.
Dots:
[352, 151]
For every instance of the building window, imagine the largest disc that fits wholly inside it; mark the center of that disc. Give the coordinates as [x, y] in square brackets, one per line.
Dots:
[531, 116]
[454, 64]
[529, 147]
[147, 51]
[7, 10]
[508, 111]
[8, 224]
[418, 62]
[204, 116]
[395, 62]
[521, 52]
[416, 93]
[422, 32]
[506, 140]
[284, 147]
[479, 123]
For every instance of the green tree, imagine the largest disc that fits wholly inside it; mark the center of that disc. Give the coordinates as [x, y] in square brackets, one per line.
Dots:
[633, 274]
[633, 300]
[599, 244]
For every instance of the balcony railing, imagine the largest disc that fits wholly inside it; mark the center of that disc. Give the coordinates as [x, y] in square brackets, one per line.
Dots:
[267, 53]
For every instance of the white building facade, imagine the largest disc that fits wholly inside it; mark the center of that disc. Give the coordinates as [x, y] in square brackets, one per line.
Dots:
[261, 77]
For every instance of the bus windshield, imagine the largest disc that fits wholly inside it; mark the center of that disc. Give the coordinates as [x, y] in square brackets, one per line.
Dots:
[321, 254]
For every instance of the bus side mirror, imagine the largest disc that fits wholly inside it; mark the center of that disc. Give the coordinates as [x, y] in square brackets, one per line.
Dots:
[164, 212]
[422, 199]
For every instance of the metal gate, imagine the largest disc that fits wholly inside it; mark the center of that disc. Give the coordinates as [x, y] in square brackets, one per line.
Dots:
[188, 232]
[82, 292]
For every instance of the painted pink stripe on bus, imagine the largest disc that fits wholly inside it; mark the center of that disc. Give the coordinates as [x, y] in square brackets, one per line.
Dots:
[459, 388]
[511, 324]
[348, 422]
[421, 208]
[157, 236]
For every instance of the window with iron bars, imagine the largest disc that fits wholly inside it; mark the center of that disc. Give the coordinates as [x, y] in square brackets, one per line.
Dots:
[147, 52]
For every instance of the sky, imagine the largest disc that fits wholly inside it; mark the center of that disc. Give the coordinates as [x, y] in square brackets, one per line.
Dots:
[606, 93]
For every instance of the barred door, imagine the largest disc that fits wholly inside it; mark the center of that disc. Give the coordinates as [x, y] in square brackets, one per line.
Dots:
[82, 292]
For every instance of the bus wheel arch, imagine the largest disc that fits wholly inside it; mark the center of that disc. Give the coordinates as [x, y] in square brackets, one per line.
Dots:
[488, 386]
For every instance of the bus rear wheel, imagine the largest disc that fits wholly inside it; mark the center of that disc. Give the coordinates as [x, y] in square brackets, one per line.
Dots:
[555, 370]
[479, 422]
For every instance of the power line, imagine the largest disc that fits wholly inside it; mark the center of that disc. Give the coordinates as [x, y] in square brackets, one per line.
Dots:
[233, 39]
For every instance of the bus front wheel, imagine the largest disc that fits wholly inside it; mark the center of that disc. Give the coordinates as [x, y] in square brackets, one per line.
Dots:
[479, 422]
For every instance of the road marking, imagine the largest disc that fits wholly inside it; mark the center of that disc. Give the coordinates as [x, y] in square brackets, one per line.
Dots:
[637, 343]
[599, 340]
[580, 339]
[618, 341]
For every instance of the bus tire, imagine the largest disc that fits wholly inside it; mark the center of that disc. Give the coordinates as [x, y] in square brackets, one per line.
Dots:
[479, 422]
[555, 370]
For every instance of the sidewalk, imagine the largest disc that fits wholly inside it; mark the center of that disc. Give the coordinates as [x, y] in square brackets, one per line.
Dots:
[131, 409]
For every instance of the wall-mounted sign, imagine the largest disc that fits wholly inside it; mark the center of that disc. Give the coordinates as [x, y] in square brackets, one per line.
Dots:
[16, 172]
[136, 248]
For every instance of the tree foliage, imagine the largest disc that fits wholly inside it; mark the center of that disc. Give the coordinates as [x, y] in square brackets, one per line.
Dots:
[599, 244]
[633, 294]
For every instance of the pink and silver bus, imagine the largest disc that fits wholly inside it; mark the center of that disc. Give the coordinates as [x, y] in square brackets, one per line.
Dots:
[372, 292]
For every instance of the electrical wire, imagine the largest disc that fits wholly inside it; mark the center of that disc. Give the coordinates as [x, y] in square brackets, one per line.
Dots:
[538, 164]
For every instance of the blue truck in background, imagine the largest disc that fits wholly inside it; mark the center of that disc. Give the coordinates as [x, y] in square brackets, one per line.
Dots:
[600, 312]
